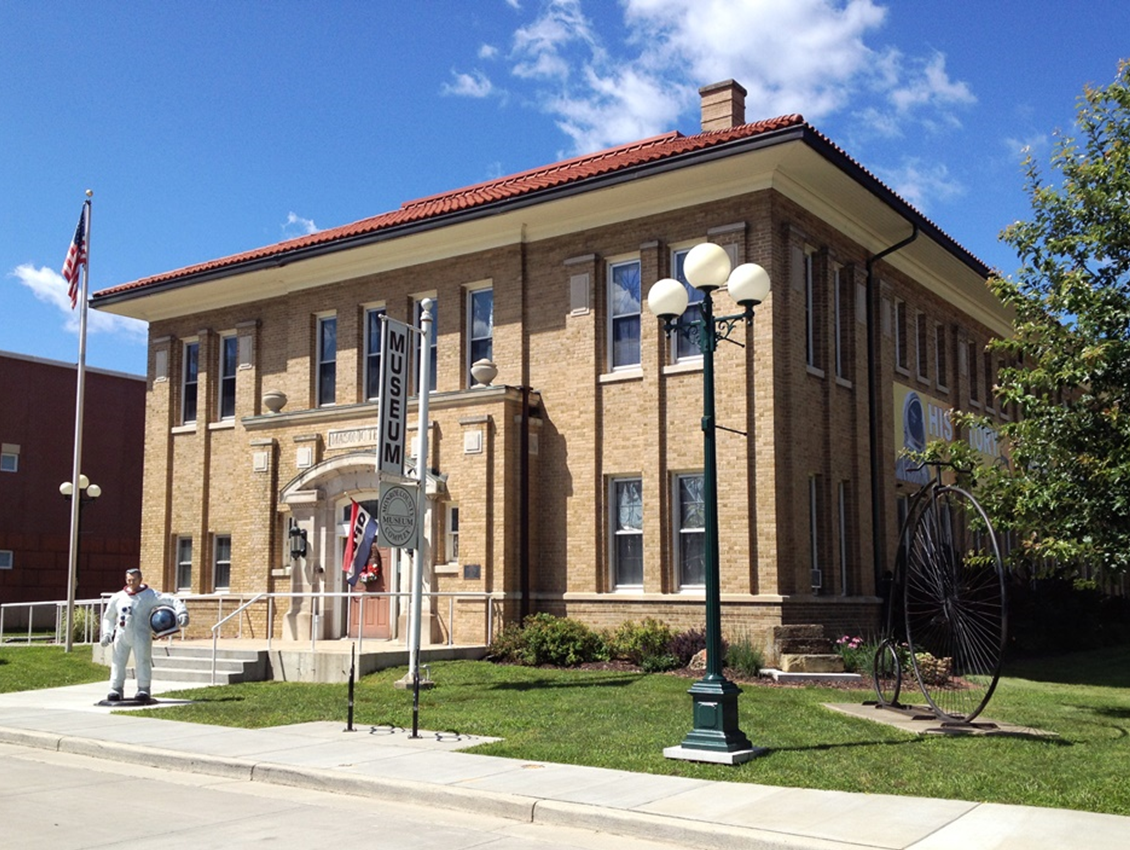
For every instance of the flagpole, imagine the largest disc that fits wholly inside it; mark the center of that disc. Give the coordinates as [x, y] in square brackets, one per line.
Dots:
[76, 467]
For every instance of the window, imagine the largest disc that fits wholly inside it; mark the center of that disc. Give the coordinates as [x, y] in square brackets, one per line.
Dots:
[184, 563]
[809, 311]
[921, 346]
[624, 313]
[627, 533]
[191, 379]
[686, 345]
[221, 579]
[842, 510]
[373, 352]
[229, 358]
[814, 531]
[844, 313]
[433, 370]
[971, 359]
[9, 462]
[691, 530]
[452, 534]
[988, 366]
[480, 331]
[900, 335]
[940, 356]
[6, 559]
[327, 360]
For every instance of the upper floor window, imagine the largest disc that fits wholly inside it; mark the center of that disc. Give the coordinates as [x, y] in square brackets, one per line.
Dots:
[480, 333]
[974, 380]
[686, 345]
[624, 313]
[988, 362]
[901, 357]
[229, 359]
[433, 336]
[221, 579]
[6, 559]
[941, 367]
[451, 535]
[922, 346]
[809, 310]
[327, 360]
[184, 563]
[9, 461]
[190, 381]
[373, 352]
[691, 530]
[627, 532]
[844, 316]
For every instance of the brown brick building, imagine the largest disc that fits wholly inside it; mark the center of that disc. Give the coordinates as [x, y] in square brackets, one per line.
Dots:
[37, 427]
[571, 483]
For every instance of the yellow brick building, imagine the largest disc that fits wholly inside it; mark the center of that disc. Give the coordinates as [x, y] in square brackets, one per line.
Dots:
[570, 482]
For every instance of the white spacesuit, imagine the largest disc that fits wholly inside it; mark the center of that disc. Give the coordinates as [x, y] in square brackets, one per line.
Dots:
[126, 624]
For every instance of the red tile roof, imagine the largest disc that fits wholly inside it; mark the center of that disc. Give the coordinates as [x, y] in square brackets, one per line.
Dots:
[502, 189]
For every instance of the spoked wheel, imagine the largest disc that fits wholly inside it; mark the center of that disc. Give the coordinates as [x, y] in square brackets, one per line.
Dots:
[886, 673]
[954, 603]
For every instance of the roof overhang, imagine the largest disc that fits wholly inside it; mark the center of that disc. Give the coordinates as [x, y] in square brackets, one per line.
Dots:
[797, 162]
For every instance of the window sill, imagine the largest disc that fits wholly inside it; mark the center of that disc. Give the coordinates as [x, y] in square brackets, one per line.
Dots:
[447, 569]
[845, 383]
[812, 370]
[683, 367]
[222, 425]
[902, 370]
[189, 428]
[635, 374]
[628, 589]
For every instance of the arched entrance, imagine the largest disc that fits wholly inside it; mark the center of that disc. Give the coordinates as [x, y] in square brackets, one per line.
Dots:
[318, 500]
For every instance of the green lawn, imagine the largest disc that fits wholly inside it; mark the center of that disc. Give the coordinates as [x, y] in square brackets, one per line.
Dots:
[624, 720]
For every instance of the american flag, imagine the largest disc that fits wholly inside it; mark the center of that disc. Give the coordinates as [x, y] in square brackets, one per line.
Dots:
[76, 255]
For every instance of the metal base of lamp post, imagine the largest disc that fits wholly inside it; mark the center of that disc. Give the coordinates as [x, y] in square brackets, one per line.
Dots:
[716, 737]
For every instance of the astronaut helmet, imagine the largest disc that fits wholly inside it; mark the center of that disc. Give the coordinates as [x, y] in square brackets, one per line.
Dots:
[163, 621]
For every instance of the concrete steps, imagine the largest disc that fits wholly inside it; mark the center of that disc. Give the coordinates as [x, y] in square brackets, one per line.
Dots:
[193, 663]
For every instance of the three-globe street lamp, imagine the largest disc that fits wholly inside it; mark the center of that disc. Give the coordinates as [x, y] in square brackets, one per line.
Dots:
[87, 493]
[716, 736]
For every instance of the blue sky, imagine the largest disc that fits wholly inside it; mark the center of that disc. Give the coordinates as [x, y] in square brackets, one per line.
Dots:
[208, 128]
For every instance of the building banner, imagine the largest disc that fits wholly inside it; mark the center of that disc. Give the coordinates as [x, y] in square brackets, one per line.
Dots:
[920, 419]
[393, 398]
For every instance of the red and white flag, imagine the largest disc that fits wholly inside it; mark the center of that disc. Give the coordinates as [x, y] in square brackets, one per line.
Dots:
[76, 255]
[362, 532]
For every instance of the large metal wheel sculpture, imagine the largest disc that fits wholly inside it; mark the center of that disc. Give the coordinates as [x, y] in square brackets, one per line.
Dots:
[953, 601]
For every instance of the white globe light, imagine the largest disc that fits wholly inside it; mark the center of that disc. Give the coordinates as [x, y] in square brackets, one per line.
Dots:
[94, 491]
[749, 284]
[707, 266]
[66, 488]
[83, 481]
[667, 298]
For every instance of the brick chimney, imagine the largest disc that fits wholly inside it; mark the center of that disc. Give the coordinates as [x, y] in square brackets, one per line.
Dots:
[723, 105]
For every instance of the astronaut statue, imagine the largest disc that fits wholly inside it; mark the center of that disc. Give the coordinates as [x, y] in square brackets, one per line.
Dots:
[132, 616]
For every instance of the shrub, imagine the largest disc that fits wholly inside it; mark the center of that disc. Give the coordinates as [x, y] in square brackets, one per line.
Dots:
[545, 639]
[686, 645]
[744, 657]
[641, 642]
[84, 617]
[659, 663]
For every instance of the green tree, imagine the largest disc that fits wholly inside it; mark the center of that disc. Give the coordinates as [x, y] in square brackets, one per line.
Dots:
[1067, 493]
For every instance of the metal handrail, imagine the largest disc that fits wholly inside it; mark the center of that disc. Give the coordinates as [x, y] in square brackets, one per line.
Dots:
[217, 626]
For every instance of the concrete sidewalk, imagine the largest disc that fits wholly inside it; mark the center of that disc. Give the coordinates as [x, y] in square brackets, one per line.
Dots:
[430, 770]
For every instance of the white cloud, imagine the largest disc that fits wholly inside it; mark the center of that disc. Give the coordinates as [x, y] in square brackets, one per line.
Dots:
[488, 51]
[49, 286]
[475, 84]
[807, 56]
[297, 225]
[922, 183]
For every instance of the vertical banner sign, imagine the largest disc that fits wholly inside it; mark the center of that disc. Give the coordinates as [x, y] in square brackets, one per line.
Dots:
[394, 388]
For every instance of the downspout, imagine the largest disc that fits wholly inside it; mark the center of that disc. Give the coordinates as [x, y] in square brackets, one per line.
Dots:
[878, 539]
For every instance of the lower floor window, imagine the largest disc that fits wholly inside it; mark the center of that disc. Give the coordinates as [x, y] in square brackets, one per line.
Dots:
[627, 532]
[184, 563]
[222, 578]
[691, 529]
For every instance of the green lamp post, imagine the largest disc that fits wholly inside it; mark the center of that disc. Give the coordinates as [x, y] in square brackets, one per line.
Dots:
[716, 736]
